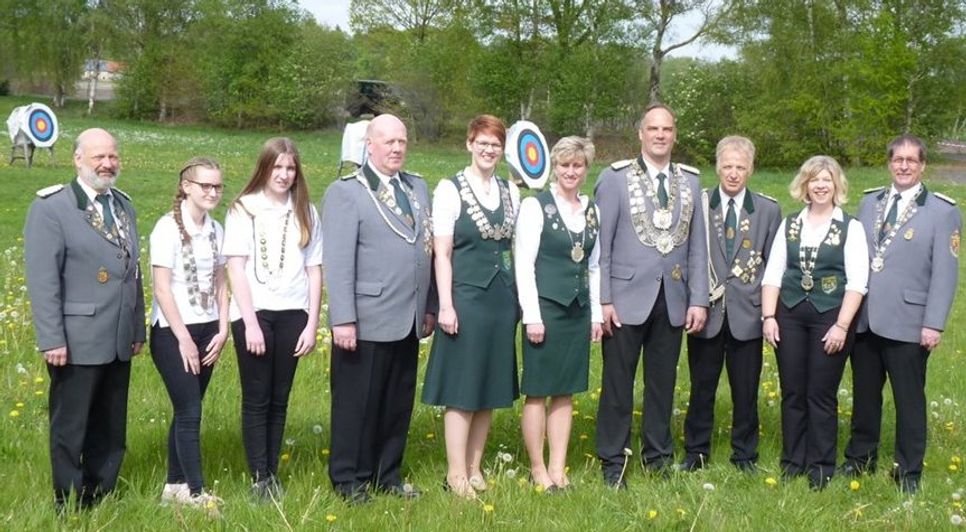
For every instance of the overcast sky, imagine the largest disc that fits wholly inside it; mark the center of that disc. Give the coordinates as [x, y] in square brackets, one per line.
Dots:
[336, 13]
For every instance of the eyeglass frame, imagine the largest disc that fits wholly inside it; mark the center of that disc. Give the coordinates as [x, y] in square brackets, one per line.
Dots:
[206, 188]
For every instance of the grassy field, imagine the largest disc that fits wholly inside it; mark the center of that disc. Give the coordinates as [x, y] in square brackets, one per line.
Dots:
[718, 498]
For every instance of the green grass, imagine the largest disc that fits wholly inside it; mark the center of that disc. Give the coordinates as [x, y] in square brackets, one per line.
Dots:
[151, 155]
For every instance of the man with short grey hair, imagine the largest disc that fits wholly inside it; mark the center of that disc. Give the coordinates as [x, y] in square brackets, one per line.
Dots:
[81, 252]
[377, 257]
[913, 237]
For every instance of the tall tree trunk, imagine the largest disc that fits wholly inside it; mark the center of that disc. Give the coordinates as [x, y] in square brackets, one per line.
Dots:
[654, 89]
[92, 85]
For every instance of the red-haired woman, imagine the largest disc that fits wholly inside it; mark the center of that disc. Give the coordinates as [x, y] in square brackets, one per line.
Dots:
[472, 367]
[273, 241]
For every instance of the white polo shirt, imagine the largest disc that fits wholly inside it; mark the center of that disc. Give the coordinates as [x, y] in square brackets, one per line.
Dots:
[166, 252]
[271, 288]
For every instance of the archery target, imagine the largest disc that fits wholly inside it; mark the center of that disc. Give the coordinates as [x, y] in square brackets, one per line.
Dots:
[528, 156]
[37, 122]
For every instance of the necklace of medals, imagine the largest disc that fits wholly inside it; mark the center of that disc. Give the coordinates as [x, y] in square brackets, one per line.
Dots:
[807, 265]
[391, 202]
[878, 261]
[475, 211]
[576, 248]
[274, 277]
[201, 301]
[661, 217]
[648, 228]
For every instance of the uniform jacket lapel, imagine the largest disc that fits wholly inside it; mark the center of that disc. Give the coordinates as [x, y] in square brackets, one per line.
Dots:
[91, 216]
[387, 199]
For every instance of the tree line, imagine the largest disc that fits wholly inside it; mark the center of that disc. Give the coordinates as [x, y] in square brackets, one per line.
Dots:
[813, 76]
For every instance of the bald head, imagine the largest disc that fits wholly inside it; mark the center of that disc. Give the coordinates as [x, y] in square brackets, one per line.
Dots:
[386, 143]
[96, 159]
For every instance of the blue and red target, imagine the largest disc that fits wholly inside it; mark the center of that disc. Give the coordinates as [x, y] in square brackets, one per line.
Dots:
[34, 123]
[528, 155]
[41, 125]
[532, 154]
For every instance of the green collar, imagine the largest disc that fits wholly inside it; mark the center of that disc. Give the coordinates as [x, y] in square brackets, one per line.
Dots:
[715, 200]
[920, 198]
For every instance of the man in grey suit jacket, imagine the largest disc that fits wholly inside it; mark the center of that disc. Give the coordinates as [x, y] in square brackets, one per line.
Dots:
[654, 282]
[742, 226]
[377, 256]
[81, 251]
[913, 237]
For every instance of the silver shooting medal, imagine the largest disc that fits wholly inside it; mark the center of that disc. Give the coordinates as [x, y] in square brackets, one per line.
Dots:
[664, 243]
[662, 219]
[807, 282]
[877, 264]
[577, 253]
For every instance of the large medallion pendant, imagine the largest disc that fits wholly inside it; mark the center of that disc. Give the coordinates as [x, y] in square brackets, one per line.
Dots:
[877, 264]
[664, 243]
[662, 218]
[577, 253]
[807, 282]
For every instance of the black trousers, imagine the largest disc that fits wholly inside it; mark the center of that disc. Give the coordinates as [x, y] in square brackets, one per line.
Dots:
[373, 389]
[186, 391]
[904, 363]
[661, 343]
[266, 381]
[809, 384]
[706, 356]
[88, 424]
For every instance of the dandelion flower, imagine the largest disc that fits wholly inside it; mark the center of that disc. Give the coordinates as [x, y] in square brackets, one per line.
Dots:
[317, 429]
[539, 488]
[330, 518]
[14, 413]
[854, 485]
[651, 514]
[947, 401]
[628, 452]
[511, 473]
[430, 435]
[771, 481]
[707, 486]
[38, 380]
[957, 496]
[955, 459]
[325, 452]
[488, 508]
[285, 457]
[953, 468]
[956, 519]
[19, 404]
[290, 442]
[39, 392]
[681, 513]
[933, 404]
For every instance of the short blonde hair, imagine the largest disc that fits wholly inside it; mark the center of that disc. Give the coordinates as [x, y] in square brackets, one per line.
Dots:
[737, 143]
[572, 148]
[811, 168]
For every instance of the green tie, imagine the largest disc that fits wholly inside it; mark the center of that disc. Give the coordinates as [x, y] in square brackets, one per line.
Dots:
[890, 219]
[106, 207]
[731, 223]
[401, 199]
[661, 191]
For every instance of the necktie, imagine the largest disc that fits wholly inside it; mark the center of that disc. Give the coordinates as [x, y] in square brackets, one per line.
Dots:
[890, 219]
[661, 191]
[107, 215]
[731, 223]
[401, 199]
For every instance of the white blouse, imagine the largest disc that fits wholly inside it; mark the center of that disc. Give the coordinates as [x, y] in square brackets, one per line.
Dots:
[447, 203]
[270, 288]
[856, 251]
[527, 245]
[166, 252]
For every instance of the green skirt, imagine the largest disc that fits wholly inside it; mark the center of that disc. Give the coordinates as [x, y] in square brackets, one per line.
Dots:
[560, 364]
[476, 369]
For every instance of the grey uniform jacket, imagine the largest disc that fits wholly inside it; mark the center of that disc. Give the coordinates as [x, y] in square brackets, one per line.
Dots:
[740, 273]
[378, 267]
[630, 271]
[85, 286]
[916, 286]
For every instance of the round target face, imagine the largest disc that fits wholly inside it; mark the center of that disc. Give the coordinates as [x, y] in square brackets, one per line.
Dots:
[40, 124]
[532, 154]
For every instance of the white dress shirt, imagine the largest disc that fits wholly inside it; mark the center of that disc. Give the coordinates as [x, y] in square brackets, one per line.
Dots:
[904, 198]
[527, 244]
[166, 253]
[447, 203]
[856, 251]
[241, 233]
[652, 172]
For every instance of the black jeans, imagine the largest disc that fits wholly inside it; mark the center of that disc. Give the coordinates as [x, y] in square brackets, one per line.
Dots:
[266, 381]
[186, 391]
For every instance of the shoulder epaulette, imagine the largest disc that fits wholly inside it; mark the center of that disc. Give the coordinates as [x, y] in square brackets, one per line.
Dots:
[414, 174]
[871, 190]
[766, 196]
[945, 198]
[49, 191]
[618, 165]
[122, 193]
[351, 175]
[689, 168]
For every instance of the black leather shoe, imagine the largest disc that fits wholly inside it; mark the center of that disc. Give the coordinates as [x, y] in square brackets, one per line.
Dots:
[908, 484]
[353, 494]
[854, 469]
[615, 480]
[403, 491]
[746, 466]
[692, 462]
[818, 482]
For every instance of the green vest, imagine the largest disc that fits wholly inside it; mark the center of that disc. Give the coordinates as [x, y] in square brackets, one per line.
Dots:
[828, 276]
[477, 260]
[559, 278]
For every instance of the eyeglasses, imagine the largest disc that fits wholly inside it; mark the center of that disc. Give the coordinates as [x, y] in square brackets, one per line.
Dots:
[898, 161]
[208, 187]
[484, 146]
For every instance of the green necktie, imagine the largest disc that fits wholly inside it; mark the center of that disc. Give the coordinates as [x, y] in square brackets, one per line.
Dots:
[661, 191]
[890, 219]
[731, 228]
[401, 199]
[106, 208]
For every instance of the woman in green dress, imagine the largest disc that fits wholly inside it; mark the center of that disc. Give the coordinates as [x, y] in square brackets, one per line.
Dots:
[472, 365]
[558, 280]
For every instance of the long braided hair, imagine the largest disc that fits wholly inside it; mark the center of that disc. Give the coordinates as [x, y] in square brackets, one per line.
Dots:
[188, 172]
